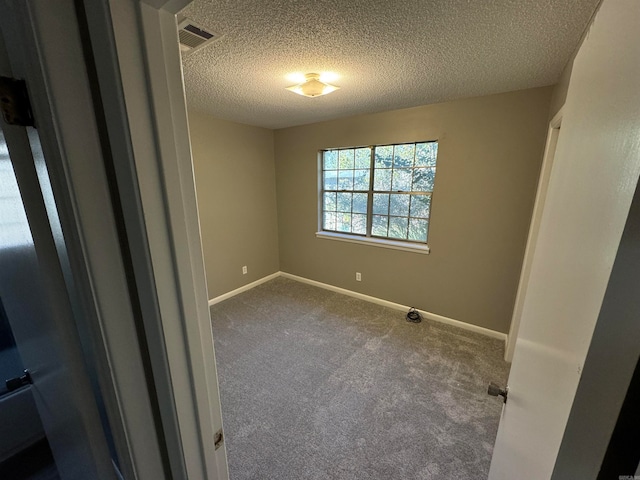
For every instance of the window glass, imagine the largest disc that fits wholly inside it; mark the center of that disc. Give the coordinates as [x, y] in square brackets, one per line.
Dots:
[380, 191]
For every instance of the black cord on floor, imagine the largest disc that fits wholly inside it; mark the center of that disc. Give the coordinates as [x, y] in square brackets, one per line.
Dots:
[414, 316]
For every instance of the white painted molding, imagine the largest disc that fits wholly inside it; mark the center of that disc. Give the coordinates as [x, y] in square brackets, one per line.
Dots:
[534, 228]
[244, 288]
[368, 298]
[376, 242]
[398, 306]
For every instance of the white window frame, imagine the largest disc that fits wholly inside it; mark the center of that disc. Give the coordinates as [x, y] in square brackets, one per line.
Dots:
[368, 238]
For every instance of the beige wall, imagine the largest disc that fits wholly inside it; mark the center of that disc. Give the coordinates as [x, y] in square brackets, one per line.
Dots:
[490, 152]
[235, 182]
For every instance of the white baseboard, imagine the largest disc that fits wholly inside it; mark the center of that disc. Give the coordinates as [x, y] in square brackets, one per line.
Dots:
[244, 288]
[396, 306]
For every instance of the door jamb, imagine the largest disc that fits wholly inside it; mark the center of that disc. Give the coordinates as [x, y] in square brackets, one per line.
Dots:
[145, 60]
[536, 216]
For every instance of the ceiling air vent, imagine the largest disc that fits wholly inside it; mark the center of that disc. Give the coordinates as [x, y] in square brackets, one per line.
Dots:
[193, 36]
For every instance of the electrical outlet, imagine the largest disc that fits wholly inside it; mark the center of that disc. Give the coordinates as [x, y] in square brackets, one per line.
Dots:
[358, 277]
[244, 270]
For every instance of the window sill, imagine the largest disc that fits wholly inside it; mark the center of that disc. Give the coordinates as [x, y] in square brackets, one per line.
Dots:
[375, 242]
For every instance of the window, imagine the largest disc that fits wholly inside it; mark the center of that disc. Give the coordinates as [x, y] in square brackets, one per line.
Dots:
[379, 192]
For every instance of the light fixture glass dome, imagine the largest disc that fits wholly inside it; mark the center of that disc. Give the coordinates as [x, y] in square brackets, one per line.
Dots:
[312, 86]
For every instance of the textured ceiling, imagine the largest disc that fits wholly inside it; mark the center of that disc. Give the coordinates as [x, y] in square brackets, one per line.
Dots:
[388, 54]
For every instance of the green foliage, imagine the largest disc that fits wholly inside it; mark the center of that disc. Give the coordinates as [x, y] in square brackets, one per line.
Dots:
[399, 171]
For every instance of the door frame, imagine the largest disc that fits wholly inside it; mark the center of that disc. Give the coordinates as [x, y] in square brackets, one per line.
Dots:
[139, 72]
[48, 55]
[536, 216]
[116, 98]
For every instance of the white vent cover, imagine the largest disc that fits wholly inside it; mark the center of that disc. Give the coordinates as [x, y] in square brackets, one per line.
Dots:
[193, 36]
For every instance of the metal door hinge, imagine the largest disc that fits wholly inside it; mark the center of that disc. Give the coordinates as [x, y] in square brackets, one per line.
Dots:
[218, 439]
[14, 102]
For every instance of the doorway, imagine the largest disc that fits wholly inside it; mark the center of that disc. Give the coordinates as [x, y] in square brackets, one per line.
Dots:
[132, 275]
[536, 217]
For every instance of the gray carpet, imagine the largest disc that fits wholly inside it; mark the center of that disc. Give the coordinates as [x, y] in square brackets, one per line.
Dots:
[318, 385]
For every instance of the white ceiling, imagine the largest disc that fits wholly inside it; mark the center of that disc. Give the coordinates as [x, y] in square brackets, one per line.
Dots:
[388, 54]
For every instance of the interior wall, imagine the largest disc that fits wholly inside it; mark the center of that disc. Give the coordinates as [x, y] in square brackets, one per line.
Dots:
[235, 181]
[489, 158]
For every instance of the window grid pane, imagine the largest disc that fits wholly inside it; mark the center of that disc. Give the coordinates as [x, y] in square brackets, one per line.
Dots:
[403, 182]
[344, 208]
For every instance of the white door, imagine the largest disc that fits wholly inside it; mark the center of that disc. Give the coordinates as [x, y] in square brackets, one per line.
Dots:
[36, 301]
[596, 169]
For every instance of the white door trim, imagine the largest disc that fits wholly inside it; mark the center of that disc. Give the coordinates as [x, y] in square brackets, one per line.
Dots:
[53, 66]
[157, 172]
[536, 216]
[169, 118]
[134, 50]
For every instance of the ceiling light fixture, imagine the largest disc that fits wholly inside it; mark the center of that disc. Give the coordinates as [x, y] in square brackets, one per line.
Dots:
[312, 86]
